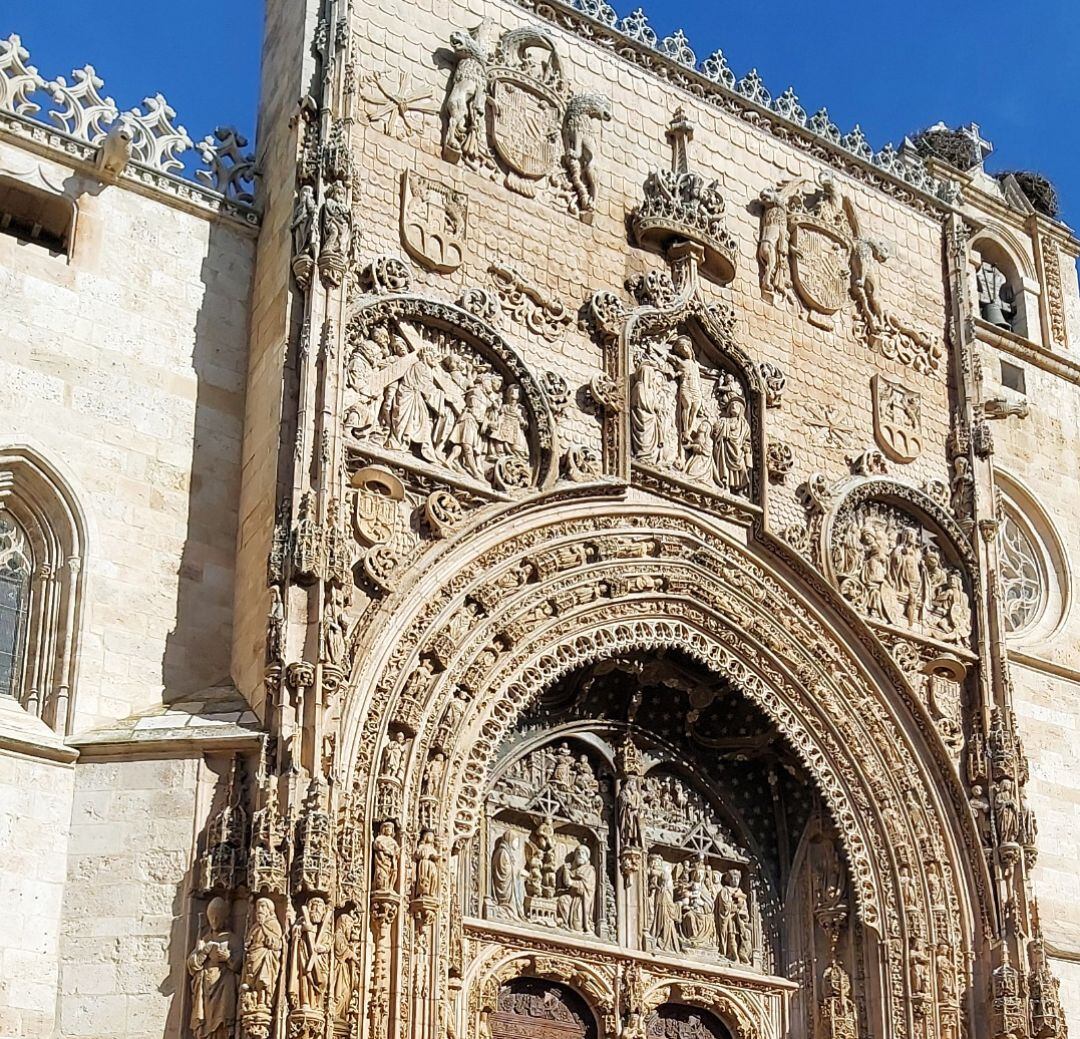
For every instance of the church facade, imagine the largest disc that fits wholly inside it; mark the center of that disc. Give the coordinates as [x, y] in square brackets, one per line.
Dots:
[555, 542]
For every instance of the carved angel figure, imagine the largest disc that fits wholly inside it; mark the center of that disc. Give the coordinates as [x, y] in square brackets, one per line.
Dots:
[213, 965]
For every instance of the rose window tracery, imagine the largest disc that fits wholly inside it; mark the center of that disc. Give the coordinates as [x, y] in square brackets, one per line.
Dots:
[1022, 582]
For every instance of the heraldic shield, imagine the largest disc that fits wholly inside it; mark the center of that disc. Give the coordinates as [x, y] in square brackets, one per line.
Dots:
[820, 266]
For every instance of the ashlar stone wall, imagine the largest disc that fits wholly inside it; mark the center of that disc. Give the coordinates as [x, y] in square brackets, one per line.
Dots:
[124, 367]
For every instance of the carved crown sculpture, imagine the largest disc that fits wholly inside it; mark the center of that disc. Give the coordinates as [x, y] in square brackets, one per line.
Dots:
[681, 206]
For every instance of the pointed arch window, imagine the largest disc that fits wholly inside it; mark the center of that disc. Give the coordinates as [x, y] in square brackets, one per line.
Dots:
[41, 549]
[16, 567]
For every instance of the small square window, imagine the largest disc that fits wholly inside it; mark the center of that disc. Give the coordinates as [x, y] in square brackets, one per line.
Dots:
[1012, 377]
[36, 217]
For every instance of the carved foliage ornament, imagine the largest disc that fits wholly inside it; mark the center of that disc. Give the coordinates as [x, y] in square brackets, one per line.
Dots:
[539, 132]
[431, 386]
[812, 251]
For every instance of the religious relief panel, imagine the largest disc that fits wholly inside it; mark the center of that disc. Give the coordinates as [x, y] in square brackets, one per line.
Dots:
[561, 821]
[891, 570]
[444, 403]
[533, 1008]
[509, 110]
[690, 418]
[695, 878]
[811, 252]
[676, 1021]
[548, 835]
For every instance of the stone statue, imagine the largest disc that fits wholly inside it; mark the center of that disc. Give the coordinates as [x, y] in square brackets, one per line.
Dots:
[436, 770]
[344, 965]
[507, 436]
[955, 608]
[865, 256]
[698, 924]
[506, 875]
[214, 965]
[579, 140]
[310, 949]
[646, 419]
[575, 892]
[908, 576]
[385, 852]
[262, 960]
[305, 229]
[733, 451]
[1007, 812]
[725, 910]
[466, 438]
[408, 412]
[744, 935]
[689, 395]
[426, 858]
[773, 245]
[393, 758]
[336, 222]
[663, 915]
[630, 812]
[465, 102]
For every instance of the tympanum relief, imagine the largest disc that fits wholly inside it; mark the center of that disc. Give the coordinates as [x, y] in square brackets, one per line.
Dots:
[892, 571]
[423, 397]
[606, 832]
[509, 110]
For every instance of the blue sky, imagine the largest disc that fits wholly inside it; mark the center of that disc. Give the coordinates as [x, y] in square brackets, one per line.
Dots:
[892, 67]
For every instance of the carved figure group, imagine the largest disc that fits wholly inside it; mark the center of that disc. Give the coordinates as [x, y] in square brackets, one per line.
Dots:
[695, 906]
[539, 132]
[811, 250]
[694, 426]
[434, 402]
[892, 572]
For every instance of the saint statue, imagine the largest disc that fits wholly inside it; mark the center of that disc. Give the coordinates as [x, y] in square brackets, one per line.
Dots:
[262, 959]
[506, 875]
[733, 450]
[385, 853]
[214, 965]
[393, 757]
[663, 915]
[344, 964]
[645, 412]
[427, 866]
[309, 956]
[575, 891]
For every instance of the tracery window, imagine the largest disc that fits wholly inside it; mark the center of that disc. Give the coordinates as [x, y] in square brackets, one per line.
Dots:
[41, 549]
[1023, 583]
[1032, 569]
[15, 568]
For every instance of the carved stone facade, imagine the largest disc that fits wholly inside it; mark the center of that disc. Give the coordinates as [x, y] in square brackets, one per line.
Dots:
[624, 641]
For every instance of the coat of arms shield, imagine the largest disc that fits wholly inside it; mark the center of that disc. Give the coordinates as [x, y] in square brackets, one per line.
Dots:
[820, 267]
[527, 126]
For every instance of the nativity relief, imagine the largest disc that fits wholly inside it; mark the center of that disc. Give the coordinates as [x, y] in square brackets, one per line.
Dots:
[893, 571]
[428, 399]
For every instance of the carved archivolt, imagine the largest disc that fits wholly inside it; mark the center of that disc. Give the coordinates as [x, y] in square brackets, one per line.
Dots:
[521, 611]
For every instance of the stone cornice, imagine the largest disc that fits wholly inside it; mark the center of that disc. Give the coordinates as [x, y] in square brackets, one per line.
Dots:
[901, 173]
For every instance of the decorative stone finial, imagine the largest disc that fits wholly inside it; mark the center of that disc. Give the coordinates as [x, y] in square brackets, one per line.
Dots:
[681, 206]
